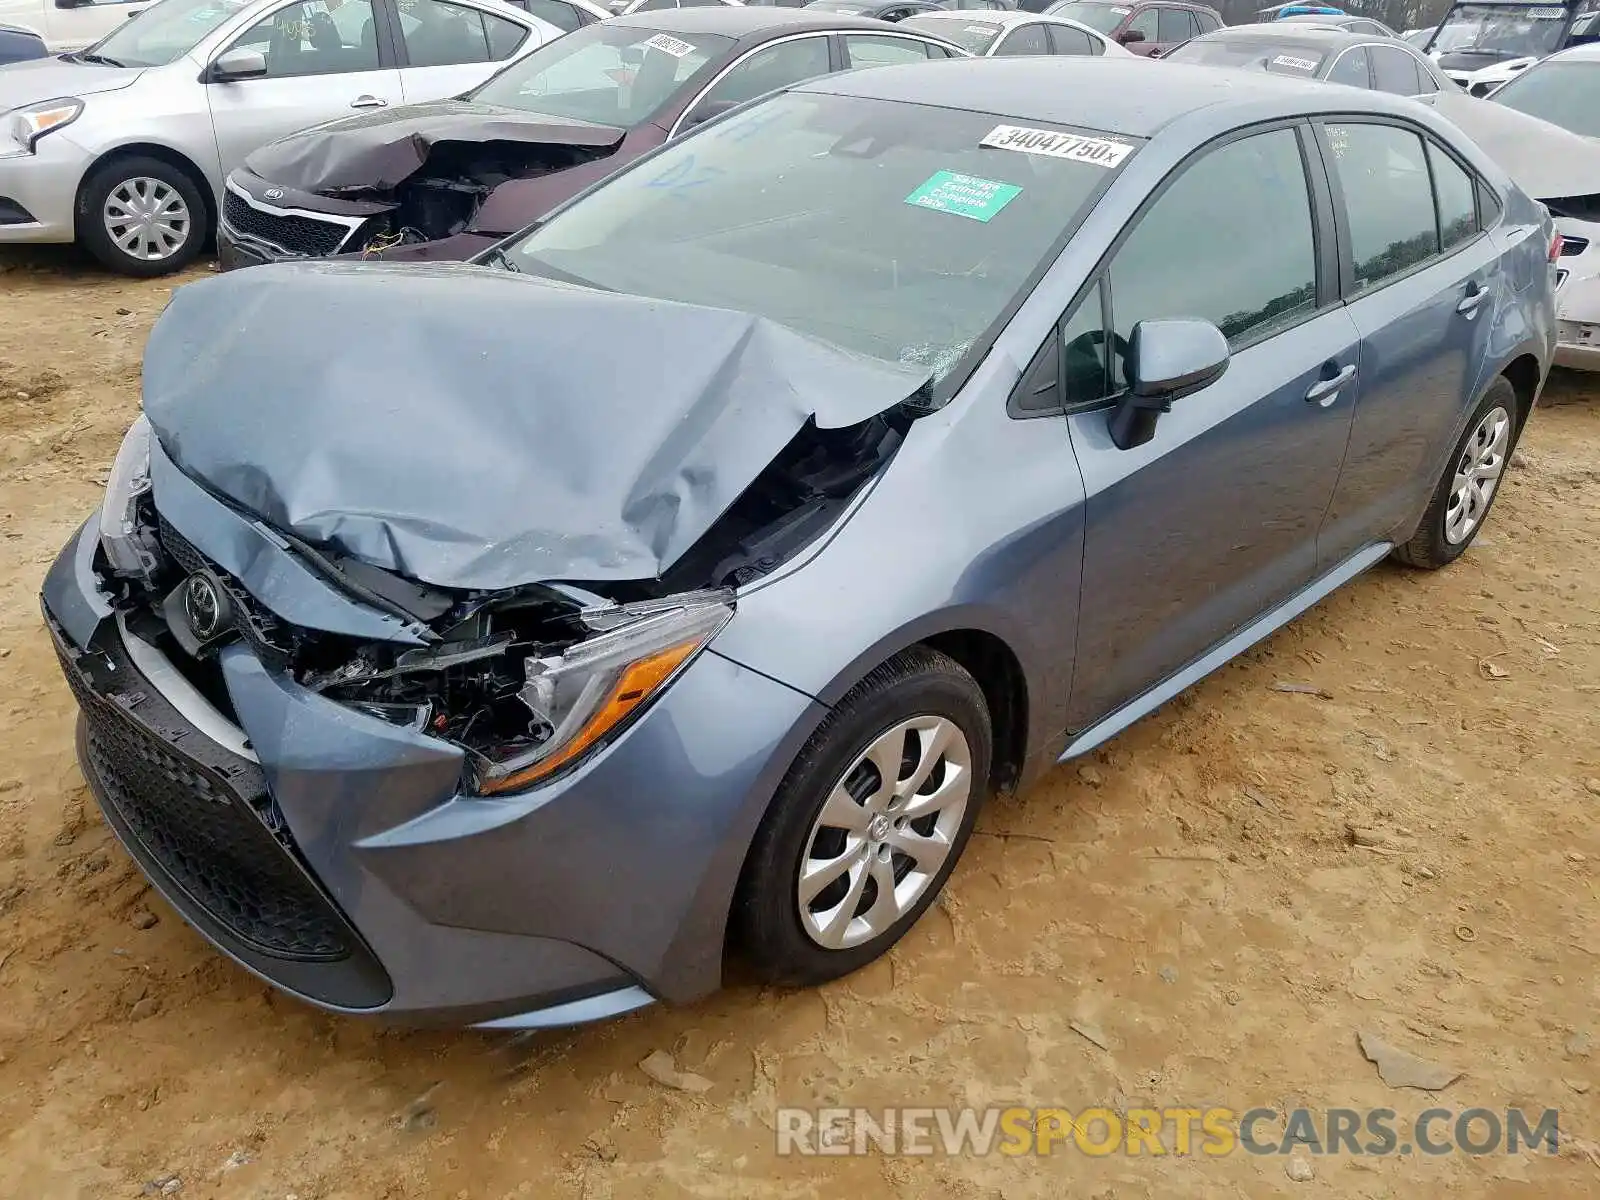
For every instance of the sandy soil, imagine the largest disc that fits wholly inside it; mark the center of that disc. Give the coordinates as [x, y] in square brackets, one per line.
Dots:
[1193, 897]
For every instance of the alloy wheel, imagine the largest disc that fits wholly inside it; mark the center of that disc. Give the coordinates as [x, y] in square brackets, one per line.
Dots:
[1478, 471]
[147, 219]
[884, 832]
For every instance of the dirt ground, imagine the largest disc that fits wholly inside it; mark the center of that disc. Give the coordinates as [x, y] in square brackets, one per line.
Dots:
[1194, 899]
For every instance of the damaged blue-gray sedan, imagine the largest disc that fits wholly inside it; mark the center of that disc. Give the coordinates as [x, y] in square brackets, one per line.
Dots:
[507, 644]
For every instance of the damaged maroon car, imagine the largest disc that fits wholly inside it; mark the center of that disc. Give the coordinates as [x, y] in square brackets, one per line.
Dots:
[444, 181]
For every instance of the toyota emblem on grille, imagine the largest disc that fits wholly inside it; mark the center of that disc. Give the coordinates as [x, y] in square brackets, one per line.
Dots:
[273, 193]
[202, 605]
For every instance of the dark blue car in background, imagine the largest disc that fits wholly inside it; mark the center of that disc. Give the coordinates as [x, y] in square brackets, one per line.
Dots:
[682, 576]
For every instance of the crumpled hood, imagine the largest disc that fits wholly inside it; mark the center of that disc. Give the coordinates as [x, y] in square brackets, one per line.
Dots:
[523, 431]
[1546, 161]
[51, 78]
[379, 150]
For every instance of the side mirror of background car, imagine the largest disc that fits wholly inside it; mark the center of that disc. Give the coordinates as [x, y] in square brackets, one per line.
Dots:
[1166, 361]
[1129, 36]
[704, 112]
[238, 63]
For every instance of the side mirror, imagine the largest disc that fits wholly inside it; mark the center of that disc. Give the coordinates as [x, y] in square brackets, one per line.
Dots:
[1166, 361]
[238, 63]
[1129, 36]
[704, 112]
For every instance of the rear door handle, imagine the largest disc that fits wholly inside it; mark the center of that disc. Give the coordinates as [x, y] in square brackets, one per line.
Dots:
[369, 102]
[1475, 296]
[1326, 391]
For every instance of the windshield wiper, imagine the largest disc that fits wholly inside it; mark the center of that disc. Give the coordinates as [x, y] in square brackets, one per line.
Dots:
[101, 59]
[497, 257]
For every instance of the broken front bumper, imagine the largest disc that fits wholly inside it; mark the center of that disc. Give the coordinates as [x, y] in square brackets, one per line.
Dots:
[334, 854]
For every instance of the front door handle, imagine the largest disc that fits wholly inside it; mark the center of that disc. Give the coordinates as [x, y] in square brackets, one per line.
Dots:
[369, 102]
[1326, 391]
[1475, 296]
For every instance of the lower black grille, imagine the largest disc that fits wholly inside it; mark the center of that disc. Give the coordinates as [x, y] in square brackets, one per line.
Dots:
[296, 234]
[205, 817]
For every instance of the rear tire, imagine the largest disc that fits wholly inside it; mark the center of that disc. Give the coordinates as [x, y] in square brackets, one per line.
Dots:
[142, 217]
[1470, 483]
[847, 859]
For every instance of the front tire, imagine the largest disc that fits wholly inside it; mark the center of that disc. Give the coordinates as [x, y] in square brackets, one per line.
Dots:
[868, 823]
[1471, 481]
[142, 217]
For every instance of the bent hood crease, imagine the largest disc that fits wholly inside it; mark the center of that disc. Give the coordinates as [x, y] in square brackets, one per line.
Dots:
[526, 431]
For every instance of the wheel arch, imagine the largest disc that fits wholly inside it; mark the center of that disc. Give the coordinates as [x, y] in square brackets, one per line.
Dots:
[990, 651]
[1524, 376]
[175, 159]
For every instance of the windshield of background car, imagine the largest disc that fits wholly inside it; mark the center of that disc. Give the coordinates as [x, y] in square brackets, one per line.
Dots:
[165, 32]
[609, 74]
[1102, 18]
[899, 231]
[1276, 58]
[1564, 93]
[1507, 32]
[973, 35]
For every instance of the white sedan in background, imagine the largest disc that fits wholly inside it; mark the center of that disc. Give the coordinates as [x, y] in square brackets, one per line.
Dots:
[1564, 90]
[986, 33]
[124, 147]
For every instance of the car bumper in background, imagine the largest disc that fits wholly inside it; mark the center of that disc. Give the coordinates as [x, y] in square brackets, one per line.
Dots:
[333, 853]
[1578, 295]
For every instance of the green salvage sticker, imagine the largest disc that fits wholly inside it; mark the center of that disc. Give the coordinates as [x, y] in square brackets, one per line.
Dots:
[964, 195]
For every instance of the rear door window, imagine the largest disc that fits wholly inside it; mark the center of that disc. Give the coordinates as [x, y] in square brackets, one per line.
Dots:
[1393, 70]
[1351, 69]
[1388, 198]
[1456, 193]
[1068, 40]
[1175, 25]
[869, 50]
[1030, 39]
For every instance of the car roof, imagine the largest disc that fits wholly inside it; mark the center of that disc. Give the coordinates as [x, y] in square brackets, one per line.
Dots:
[992, 16]
[744, 20]
[1118, 95]
[1324, 37]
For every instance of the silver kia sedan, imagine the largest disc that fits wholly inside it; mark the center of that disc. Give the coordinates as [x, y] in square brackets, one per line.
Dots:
[124, 147]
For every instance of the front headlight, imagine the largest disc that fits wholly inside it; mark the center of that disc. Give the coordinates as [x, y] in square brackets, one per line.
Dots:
[119, 521]
[23, 127]
[585, 694]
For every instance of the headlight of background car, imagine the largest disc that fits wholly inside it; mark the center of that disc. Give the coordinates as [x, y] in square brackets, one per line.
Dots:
[119, 520]
[586, 693]
[21, 128]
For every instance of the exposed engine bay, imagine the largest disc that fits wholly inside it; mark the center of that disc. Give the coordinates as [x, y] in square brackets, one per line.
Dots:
[523, 679]
[443, 196]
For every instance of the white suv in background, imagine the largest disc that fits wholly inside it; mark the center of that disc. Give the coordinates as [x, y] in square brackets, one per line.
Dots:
[69, 24]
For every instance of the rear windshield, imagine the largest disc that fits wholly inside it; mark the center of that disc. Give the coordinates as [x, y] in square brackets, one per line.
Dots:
[974, 35]
[1278, 58]
[609, 74]
[1564, 93]
[886, 228]
[1101, 17]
